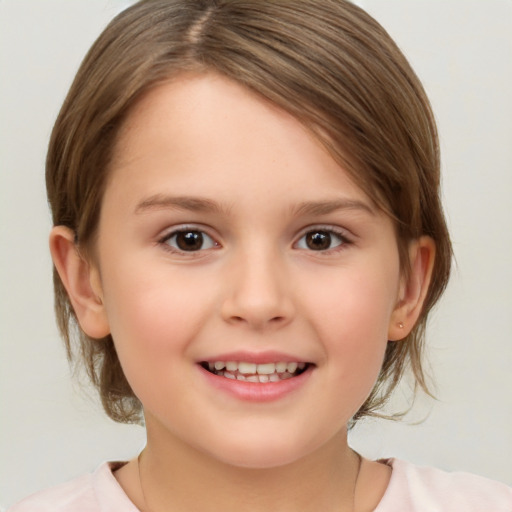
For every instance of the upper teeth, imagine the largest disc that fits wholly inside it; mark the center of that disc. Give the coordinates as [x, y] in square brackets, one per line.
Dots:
[246, 368]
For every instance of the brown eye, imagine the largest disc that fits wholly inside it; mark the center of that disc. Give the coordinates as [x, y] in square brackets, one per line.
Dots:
[190, 240]
[320, 240]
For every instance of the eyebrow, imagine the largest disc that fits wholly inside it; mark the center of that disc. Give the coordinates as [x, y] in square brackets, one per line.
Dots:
[164, 202]
[197, 204]
[317, 208]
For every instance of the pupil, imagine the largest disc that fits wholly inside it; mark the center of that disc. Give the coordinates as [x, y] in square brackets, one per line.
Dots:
[189, 240]
[318, 240]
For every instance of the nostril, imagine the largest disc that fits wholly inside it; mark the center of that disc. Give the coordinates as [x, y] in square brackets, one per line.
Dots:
[257, 303]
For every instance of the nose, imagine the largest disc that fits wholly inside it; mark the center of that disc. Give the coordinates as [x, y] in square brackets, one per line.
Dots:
[258, 293]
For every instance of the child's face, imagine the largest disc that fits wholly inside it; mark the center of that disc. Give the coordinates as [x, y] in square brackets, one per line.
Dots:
[228, 234]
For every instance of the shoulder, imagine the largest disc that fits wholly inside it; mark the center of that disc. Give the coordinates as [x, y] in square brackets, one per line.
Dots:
[94, 492]
[74, 495]
[416, 488]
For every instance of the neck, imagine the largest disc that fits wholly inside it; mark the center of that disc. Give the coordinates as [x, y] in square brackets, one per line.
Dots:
[177, 477]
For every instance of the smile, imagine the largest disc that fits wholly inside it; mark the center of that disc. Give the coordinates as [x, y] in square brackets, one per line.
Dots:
[252, 372]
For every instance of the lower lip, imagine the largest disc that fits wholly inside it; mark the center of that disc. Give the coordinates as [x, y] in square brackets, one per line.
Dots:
[254, 391]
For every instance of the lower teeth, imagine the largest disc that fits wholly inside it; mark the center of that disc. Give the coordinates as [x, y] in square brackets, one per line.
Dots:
[260, 378]
[273, 377]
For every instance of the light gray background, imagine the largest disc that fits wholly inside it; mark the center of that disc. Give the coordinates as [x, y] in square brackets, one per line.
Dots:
[52, 431]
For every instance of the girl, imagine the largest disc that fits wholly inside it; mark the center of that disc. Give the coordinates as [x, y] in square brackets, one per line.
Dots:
[248, 234]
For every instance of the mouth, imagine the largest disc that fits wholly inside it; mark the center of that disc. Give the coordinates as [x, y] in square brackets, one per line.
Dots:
[253, 372]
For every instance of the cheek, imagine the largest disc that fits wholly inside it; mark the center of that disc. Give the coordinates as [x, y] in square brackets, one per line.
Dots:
[153, 318]
[356, 306]
[352, 321]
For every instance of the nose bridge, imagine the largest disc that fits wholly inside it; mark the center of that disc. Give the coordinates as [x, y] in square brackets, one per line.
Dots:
[258, 291]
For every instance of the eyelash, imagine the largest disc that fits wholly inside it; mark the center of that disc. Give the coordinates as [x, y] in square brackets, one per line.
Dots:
[341, 235]
[165, 241]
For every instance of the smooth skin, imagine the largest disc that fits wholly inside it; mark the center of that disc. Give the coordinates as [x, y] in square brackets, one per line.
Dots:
[204, 158]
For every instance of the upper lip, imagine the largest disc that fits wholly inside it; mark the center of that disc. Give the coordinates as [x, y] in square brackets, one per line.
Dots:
[256, 357]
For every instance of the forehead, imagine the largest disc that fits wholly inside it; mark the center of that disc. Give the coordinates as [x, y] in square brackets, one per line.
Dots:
[204, 132]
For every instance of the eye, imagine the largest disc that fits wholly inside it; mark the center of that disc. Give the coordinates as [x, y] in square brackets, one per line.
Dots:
[321, 240]
[189, 240]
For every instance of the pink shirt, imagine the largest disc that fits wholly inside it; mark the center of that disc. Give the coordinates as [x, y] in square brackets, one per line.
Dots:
[411, 489]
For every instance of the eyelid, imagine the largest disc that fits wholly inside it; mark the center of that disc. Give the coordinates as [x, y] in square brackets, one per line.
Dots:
[331, 228]
[341, 233]
[183, 228]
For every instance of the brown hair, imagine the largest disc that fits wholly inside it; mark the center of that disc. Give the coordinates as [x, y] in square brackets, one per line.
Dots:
[326, 62]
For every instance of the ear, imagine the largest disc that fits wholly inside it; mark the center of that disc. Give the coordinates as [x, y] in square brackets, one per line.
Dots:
[82, 282]
[413, 288]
